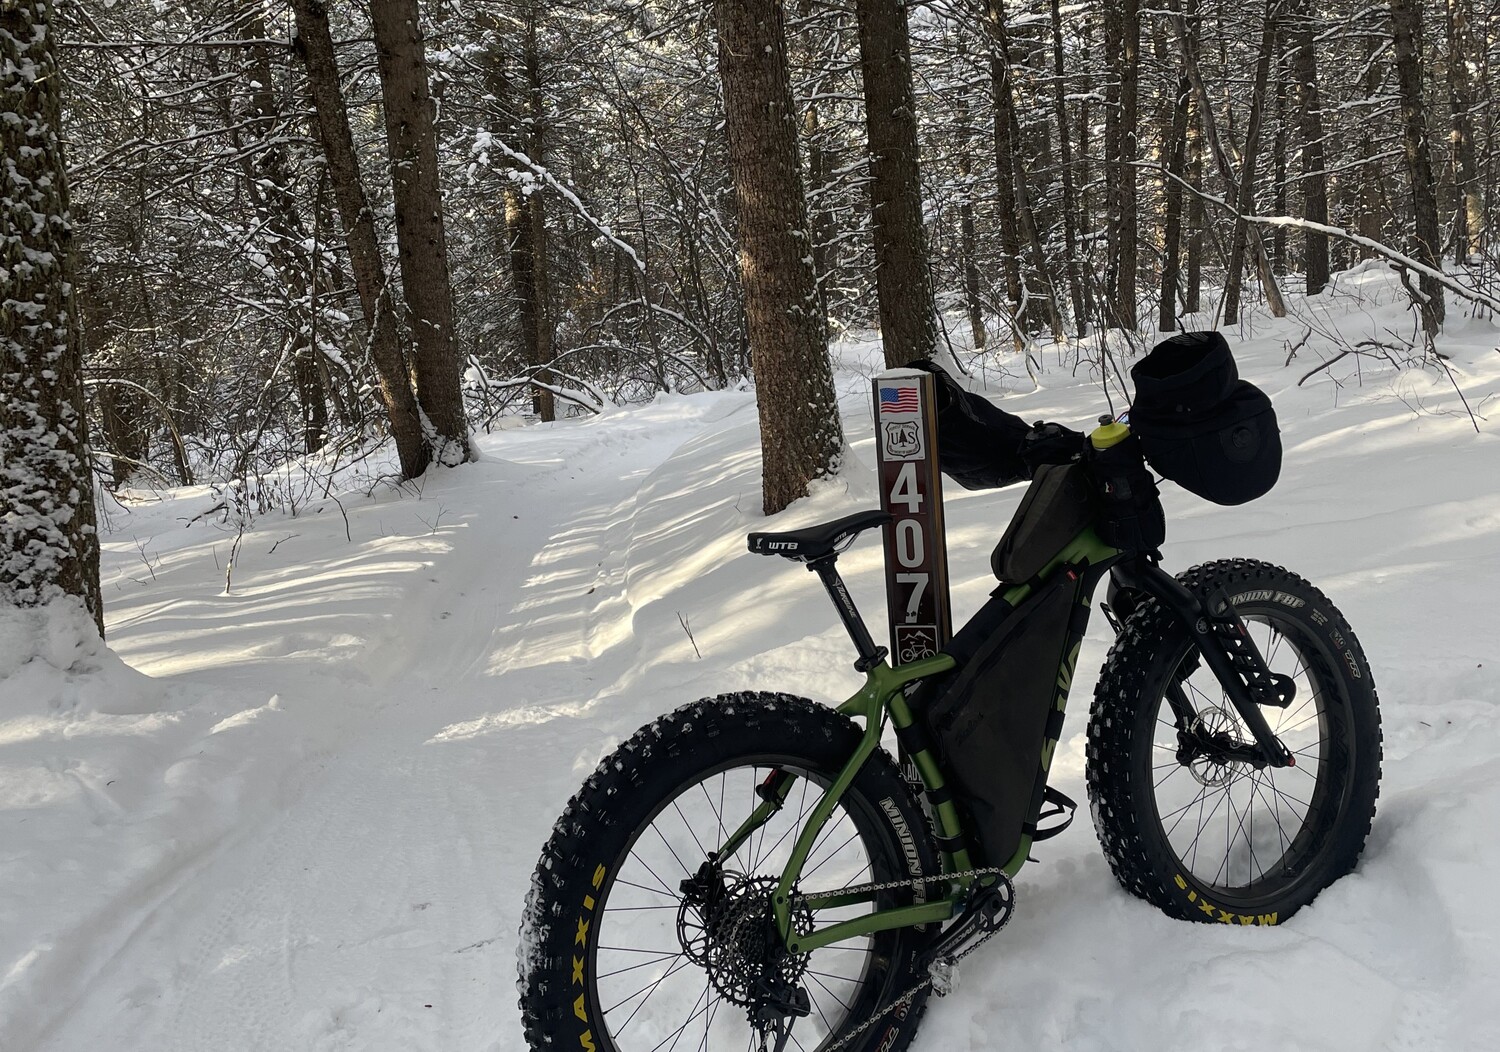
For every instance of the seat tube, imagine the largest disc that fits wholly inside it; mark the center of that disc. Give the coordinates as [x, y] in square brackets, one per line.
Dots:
[869, 654]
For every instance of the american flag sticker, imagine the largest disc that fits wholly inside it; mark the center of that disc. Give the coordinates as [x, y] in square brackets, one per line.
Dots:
[898, 400]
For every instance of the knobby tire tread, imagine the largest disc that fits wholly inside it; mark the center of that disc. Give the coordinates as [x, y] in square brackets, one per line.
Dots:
[570, 856]
[1132, 679]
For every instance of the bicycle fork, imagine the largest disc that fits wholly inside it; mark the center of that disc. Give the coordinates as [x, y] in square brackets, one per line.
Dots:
[1221, 638]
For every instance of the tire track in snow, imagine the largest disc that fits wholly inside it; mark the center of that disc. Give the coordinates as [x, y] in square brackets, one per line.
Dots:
[370, 910]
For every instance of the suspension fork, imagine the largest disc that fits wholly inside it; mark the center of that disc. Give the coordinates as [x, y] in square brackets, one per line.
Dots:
[1225, 645]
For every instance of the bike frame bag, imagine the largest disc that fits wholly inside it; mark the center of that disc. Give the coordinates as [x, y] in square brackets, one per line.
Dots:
[990, 718]
[1057, 505]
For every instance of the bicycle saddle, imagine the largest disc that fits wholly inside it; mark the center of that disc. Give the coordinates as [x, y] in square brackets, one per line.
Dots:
[817, 542]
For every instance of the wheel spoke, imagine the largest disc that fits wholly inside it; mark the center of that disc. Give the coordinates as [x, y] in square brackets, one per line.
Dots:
[649, 989]
[674, 1035]
[1203, 824]
[689, 1021]
[831, 994]
[628, 909]
[1182, 811]
[831, 856]
[666, 889]
[698, 843]
[641, 887]
[663, 956]
[818, 1005]
[1273, 805]
[635, 949]
[663, 837]
[709, 1024]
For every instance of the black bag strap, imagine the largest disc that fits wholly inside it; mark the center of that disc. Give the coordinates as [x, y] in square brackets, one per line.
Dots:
[1056, 804]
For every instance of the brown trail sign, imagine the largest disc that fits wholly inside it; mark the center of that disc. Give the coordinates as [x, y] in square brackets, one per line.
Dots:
[916, 556]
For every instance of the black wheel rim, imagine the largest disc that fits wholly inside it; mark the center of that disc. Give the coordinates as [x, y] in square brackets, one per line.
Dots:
[1247, 835]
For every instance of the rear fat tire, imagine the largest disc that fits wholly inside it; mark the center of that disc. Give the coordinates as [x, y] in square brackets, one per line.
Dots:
[568, 907]
[1128, 762]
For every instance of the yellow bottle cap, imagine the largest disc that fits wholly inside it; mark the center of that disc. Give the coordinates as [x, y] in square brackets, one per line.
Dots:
[1109, 435]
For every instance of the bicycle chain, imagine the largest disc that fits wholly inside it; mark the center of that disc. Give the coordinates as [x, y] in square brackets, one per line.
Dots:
[905, 1000]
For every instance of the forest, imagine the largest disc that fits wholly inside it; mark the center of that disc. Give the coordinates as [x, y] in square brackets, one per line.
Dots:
[1050, 170]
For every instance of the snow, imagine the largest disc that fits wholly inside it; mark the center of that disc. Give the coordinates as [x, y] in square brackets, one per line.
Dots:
[305, 814]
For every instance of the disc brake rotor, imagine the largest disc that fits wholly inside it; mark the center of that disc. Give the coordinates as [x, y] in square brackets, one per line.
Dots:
[1215, 724]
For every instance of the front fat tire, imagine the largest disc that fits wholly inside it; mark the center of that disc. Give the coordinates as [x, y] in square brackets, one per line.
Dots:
[568, 915]
[1128, 763]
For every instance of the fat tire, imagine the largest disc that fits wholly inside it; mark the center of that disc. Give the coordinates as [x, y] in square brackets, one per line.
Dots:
[630, 786]
[1146, 656]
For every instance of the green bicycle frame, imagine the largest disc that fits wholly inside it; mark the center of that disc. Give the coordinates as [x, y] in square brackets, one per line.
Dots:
[882, 695]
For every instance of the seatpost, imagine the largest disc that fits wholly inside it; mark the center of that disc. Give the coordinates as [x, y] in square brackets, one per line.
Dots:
[869, 654]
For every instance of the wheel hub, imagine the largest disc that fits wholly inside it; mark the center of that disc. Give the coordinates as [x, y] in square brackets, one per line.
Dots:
[1207, 746]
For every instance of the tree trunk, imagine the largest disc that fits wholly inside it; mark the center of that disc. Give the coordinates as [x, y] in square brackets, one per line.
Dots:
[1005, 180]
[801, 438]
[903, 283]
[1017, 195]
[1188, 44]
[1426, 245]
[1371, 176]
[315, 44]
[121, 413]
[1065, 156]
[49, 540]
[1192, 300]
[420, 239]
[525, 214]
[1122, 43]
[1278, 167]
[1084, 137]
[1314, 176]
[1171, 270]
[967, 232]
[1469, 215]
[1029, 211]
[820, 186]
[270, 186]
[541, 285]
[1125, 176]
[1244, 198]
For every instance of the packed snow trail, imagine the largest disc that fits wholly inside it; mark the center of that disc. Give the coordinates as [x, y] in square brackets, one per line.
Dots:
[374, 903]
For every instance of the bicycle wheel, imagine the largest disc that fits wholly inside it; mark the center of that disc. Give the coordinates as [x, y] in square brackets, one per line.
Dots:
[635, 940]
[1185, 825]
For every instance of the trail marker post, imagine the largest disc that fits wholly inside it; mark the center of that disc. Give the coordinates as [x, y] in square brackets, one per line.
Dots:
[916, 554]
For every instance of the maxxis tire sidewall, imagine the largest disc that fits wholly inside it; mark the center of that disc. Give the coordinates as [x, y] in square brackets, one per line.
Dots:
[1151, 870]
[573, 879]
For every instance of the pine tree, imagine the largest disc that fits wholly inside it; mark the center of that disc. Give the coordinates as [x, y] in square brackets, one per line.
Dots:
[49, 543]
[420, 233]
[799, 426]
[903, 283]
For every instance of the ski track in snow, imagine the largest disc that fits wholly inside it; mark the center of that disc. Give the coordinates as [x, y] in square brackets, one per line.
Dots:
[328, 849]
